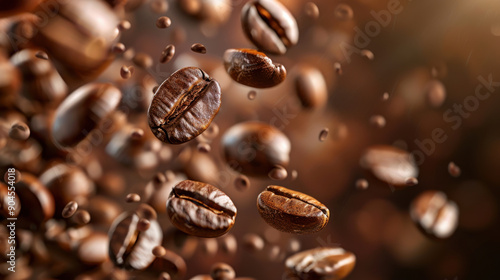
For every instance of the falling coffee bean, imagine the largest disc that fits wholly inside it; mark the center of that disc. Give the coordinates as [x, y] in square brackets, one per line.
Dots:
[454, 169]
[70, 209]
[184, 105]
[253, 68]
[198, 48]
[200, 209]
[269, 25]
[167, 54]
[321, 263]
[291, 211]
[163, 22]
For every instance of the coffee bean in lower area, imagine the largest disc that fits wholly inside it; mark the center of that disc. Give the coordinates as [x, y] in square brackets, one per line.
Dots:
[292, 211]
[200, 209]
[184, 105]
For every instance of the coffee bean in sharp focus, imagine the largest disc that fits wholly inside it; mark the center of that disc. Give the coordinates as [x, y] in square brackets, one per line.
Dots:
[200, 209]
[83, 111]
[434, 214]
[253, 68]
[184, 105]
[321, 263]
[291, 211]
[269, 25]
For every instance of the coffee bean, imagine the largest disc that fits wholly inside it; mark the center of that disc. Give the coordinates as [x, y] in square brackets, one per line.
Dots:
[19, 131]
[435, 93]
[143, 60]
[253, 242]
[198, 48]
[37, 200]
[291, 211]
[132, 197]
[378, 121]
[253, 68]
[126, 71]
[278, 173]
[389, 164]
[323, 134]
[83, 111]
[343, 12]
[321, 263]
[222, 271]
[163, 22]
[251, 95]
[241, 182]
[310, 86]
[200, 209]
[311, 10]
[128, 246]
[454, 169]
[93, 250]
[70, 209]
[269, 25]
[362, 184]
[184, 106]
[255, 148]
[434, 214]
[167, 54]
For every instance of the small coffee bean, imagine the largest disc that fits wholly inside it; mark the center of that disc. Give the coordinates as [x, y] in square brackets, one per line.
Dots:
[163, 22]
[253, 68]
[70, 209]
[198, 48]
[291, 211]
[454, 169]
[200, 209]
[222, 271]
[167, 54]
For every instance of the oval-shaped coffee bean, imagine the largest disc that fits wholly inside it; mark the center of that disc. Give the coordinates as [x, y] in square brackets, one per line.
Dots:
[128, 246]
[184, 105]
[434, 214]
[83, 111]
[200, 209]
[269, 25]
[389, 164]
[253, 68]
[291, 211]
[321, 263]
[255, 148]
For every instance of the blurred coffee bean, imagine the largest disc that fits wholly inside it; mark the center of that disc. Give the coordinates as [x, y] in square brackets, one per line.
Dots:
[70, 209]
[253, 242]
[200, 209]
[83, 111]
[255, 148]
[310, 86]
[434, 214]
[389, 164]
[222, 271]
[269, 25]
[167, 54]
[37, 200]
[90, 25]
[454, 169]
[198, 48]
[321, 263]
[143, 60]
[10, 83]
[184, 106]
[129, 247]
[253, 68]
[10, 8]
[435, 93]
[19, 131]
[241, 182]
[278, 173]
[343, 12]
[103, 210]
[311, 10]
[163, 22]
[213, 11]
[171, 263]
[291, 211]
[93, 250]
[14, 200]
[323, 134]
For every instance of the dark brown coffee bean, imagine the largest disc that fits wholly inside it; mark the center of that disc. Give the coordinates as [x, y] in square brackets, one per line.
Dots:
[311, 10]
[389, 164]
[129, 247]
[143, 60]
[167, 54]
[255, 148]
[269, 25]
[222, 271]
[310, 86]
[163, 22]
[93, 250]
[15, 203]
[323, 134]
[241, 182]
[454, 169]
[362, 184]
[184, 106]
[291, 211]
[253, 242]
[37, 200]
[126, 71]
[70, 209]
[435, 93]
[214, 12]
[132, 197]
[198, 48]
[321, 263]
[378, 121]
[83, 111]
[19, 131]
[253, 68]
[343, 12]
[278, 173]
[200, 209]
[434, 214]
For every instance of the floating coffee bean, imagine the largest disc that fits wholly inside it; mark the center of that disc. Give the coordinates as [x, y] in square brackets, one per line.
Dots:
[163, 22]
[129, 247]
[390, 164]
[292, 211]
[184, 106]
[222, 271]
[200, 209]
[253, 68]
[269, 25]
[83, 111]
[37, 200]
[434, 214]
[310, 86]
[321, 263]
[255, 148]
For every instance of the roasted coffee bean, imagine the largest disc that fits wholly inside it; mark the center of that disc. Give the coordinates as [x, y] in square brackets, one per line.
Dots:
[184, 106]
[83, 111]
[269, 25]
[198, 48]
[255, 148]
[434, 214]
[200, 209]
[4, 203]
[435, 93]
[321, 263]
[454, 169]
[222, 271]
[163, 22]
[310, 86]
[390, 164]
[291, 211]
[129, 247]
[37, 200]
[215, 12]
[93, 250]
[19, 131]
[70, 209]
[167, 54]
[253, 68]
